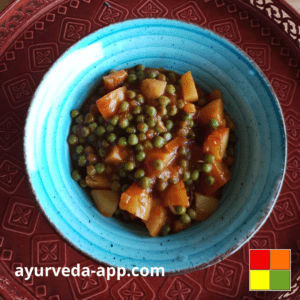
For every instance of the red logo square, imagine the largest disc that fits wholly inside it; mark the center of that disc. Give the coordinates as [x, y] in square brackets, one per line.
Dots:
[259, 259]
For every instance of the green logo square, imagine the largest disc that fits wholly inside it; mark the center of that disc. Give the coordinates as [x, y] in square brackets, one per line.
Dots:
[280, 280]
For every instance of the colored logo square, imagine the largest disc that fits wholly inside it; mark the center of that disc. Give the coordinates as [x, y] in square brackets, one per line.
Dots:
[280, 280]
[259, 280]
[280, 259]
[259, 259]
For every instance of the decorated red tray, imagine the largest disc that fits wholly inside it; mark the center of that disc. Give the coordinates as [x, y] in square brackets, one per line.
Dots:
[33, 34]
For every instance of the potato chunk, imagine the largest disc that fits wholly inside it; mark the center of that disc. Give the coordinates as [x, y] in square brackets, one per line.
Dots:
[109, 104]
[106, 201]
[213, 110]
[112, 81]
[205, 206]
[136, 201]
[189, 90]
[157, 219]
[152, 89]
[176, 195]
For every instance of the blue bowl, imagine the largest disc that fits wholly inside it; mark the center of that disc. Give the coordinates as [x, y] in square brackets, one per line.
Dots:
[215, 63]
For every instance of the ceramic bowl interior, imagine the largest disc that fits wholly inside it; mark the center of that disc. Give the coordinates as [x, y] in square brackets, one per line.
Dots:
[215, 63]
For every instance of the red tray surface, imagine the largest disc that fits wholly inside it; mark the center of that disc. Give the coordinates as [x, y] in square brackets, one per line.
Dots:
[33, 34]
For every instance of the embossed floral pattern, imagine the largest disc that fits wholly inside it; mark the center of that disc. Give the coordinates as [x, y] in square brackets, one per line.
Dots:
[21, 215]
[49, 251]
[133, 292]
[223, 276]
[284, 210]
[8, 172]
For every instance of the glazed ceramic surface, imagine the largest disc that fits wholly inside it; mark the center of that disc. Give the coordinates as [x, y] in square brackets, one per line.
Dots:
[215, 63]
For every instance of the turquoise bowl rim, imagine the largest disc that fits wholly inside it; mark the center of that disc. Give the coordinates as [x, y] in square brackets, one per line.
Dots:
[263, 214]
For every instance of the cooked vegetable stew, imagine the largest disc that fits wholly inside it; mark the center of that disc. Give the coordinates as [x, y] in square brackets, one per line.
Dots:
[152, 147]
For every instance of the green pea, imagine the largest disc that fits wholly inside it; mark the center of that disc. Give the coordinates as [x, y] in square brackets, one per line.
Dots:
[114, 120]
[191, 123]
[180, 104]
[183, 132]
[112, 138]
[140, 119]
[76, 176]
[82, 183]
[89, 118]
[145, 182]
[102, 152]
[105, 144]
[185, 219]
[85, 131]
[100, 130]
[73, 139]
[186, 176]
[183, 151]
[124, 187]
[169, 124]
[170, 89]
[165, 230]
[142, 137]
[158, 164]
[184, 163]
[131, 94]
[93, 126]
[195, 175]
[139, 173]
[172, 110]
[139, 147]
[115, 176]
[192, 213]
[207, 168]
[140, 75]
[162, 185]
[79, 149]
[167, 136]
[162, 111]
[148, 145]
[74, 128]
[213, 123]
[133, 139]
[131, 78]
[82, 161]
[162, 77]
[151, 111]
[209, 180]
[152, 74]
[122, 173]
[131, 129]
[152, 121]
[143, 127]
[140, 98]
[202, 101]
[141, 156]
[91, 170]
[137, 110]
[171, 77]
[180, 210]
[164, 100]
[159, 129]
[187, 116]
[100, 168]
[110, 128]
[79, 119]
[140, 68]
[74, 113]
[124, 123]
[159, 142]
[122, 141]
[124, 106]
[115, 186]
